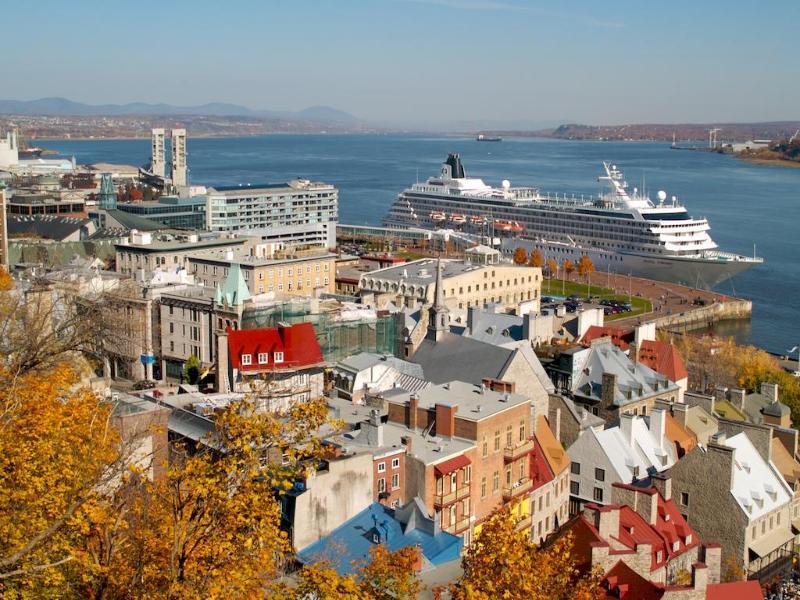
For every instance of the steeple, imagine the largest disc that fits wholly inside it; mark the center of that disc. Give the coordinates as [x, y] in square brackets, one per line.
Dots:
[438, 314]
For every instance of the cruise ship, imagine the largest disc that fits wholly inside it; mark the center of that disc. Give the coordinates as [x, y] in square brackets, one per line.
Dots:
[622, 231]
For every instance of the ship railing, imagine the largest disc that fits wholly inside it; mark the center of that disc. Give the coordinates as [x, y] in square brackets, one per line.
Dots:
[567, 199]
[732, 256]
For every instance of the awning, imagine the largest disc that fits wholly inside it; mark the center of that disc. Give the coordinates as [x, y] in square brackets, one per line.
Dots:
[774, 540]
[451, 464]
[796, 525]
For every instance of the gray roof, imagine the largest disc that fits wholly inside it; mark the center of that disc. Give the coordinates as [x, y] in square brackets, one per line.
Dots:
[474, 402]
[494, 328]
[131, 221]
[456, 358]
[49, 227]
[776, 409]
[423, 271]
[365, 360]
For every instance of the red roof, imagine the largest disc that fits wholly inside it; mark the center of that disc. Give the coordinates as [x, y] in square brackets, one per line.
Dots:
[663, 358]
[623, 582]
[735, 590]
[298, 343]
[619, 337]
[540, 471]
[451, 464]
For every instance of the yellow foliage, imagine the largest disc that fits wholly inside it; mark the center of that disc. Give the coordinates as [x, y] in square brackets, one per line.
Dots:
[505, 563]
[520, 256]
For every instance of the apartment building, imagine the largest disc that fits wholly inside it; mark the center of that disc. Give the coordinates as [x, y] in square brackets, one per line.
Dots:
[464, 284]
[296, 212]
[550, 473]
[269, 271]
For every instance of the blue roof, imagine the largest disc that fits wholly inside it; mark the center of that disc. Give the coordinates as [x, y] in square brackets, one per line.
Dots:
[350, 543]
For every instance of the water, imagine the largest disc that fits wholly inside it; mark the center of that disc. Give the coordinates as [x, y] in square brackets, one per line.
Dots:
[745, 204]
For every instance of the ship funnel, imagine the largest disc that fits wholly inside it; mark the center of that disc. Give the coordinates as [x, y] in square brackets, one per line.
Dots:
[456, 168]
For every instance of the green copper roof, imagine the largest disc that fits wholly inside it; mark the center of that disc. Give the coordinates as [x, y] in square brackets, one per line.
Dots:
[234, 291]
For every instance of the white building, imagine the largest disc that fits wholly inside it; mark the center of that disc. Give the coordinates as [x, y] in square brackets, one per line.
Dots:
[9, 150]
[297, 212]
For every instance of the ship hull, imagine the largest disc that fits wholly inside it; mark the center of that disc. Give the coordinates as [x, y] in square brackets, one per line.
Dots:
[704, 273]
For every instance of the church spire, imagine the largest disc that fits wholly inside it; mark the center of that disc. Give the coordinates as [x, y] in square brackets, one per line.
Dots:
[438, 314]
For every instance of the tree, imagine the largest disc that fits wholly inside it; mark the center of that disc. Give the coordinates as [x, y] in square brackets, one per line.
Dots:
[503, 562]
[520, 256]
[552, 267]
[384, 575]
[536, 259]
[191, 369]
[585, 266]
[568, 267]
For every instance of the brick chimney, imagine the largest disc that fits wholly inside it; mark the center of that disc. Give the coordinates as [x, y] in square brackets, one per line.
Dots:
[663, 483]
[406, 441]
[626, 427]
[770, 391]
[607, 523]
[658, 426]
[633, 354]
[411, 418]
[737, 397]
[446, 419]
[498, 385]
[700, 578]
[608, 389]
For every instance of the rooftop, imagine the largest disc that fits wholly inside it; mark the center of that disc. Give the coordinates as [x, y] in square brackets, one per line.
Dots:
[474, 402]
[295, 185]
[423, 271]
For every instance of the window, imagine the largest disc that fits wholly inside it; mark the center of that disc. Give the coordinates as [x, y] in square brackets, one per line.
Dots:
[659, 556]
[600, 474]
[576, 468]
[263, 358]
[574, 488]
[496, 481]
[467, 473]
[509, 436]
[395, 481]
[598, 494]
[381, 485]
[395, 463]
[485, 449]
[522, 430]
[508, 476]
[753, 533]
[684, 498]
[277, 357]
[172, 327]
[247, 359]
[381, 467]
[483, 487]
[497, 440]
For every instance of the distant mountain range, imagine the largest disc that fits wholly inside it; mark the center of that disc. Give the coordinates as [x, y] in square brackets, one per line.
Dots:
[64, 107]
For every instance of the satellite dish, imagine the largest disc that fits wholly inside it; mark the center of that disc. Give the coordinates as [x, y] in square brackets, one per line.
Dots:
[506, 184]
[662, 195]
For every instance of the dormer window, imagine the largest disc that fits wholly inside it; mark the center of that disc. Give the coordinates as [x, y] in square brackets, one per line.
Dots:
[263, 358]
[659, 556]
[277, 357]
[247, 359]
[675, 545]
[688, 539]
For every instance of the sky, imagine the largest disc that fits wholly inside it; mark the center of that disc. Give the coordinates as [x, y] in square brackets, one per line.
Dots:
[417, 62]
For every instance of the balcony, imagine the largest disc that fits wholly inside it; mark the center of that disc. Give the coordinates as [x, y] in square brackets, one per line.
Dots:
[524, 522]
[512, 453]
[458, 527]
[440, 500]
[522, 487]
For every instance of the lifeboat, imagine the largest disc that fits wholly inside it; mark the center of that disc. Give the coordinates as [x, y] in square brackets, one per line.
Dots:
[503, 225]
[438, 216]
[516, 227]
[477, 220]
[458, 219]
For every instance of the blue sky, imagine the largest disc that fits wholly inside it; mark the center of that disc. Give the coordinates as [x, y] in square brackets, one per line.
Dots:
[417, 61]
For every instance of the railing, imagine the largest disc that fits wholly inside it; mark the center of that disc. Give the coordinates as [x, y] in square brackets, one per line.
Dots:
[514, 452]
[524, 522]
[523, 486]
[458, 527]
[449, 498]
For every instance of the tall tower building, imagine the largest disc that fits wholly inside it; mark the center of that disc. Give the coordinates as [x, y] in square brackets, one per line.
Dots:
[3, 230]
[178, 157]
[158, 161]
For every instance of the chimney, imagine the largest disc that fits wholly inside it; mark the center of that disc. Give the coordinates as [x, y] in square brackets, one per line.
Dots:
[679, 412]
[770, 391]
[446, 420]
[406, 441]
[608, 389]
[720, 393]
[223, 364]
[658, 424]
[737, 397]
[633, 352]
[375, 429]
[626, 427]
[472, 313]
[527, 326]
[663, 483]
[700, 578]
[413, 403]
[719, 438]
[607, 522]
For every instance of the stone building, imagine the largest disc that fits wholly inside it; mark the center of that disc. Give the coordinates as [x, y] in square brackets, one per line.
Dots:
[603, 380]
[730, 494]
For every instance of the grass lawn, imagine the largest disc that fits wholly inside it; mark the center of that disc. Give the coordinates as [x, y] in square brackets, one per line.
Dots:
[554, 287]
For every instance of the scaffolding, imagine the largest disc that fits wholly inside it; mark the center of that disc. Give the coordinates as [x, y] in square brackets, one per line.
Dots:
[338, 336]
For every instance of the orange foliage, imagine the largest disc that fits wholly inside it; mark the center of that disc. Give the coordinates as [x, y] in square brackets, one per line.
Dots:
[552, 266]
[520, 256]
[536, 259]
[585, 266]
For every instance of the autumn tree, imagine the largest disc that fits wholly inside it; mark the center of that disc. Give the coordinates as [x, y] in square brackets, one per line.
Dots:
[552, 267]
[503, 562]
[191, 369]
[585, 266]
[520, 256]
[536, 259]
[568, 267]
[384, 575]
